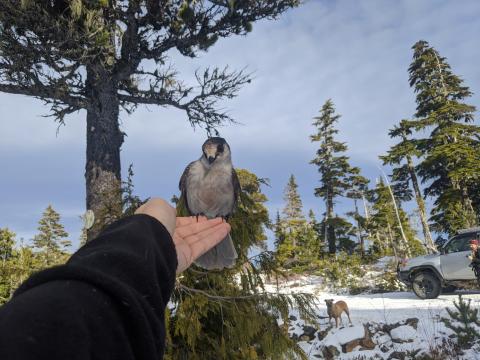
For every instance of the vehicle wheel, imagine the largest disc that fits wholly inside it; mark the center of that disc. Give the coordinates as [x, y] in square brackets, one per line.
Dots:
[426, 285]
[449, 289]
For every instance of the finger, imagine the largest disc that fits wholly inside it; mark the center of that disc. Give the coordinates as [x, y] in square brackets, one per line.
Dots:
[196, 228]
[208, 239]
[186, 220]
[204, 234]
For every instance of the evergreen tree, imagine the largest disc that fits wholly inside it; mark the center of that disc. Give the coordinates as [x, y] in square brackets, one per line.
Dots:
[451, 156]
[106, 56]
[292, 224]
[228, 314]
[7, 242]
[401, 156]
[278, 231]
[357, 190]
[389, 237]
[17, 264]
[130, 201]
[293, 210]
[463, 320]
[51, 240]
[318, 234]
[345, 233]
[335, 171]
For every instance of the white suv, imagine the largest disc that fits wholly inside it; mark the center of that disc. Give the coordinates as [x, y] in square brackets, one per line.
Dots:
[429, 274]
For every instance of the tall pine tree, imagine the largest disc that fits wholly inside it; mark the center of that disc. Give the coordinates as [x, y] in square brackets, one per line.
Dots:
[51, 240]
[401, 156]
[291, 223]
[293, 210]
[451, 152]
[333, 166]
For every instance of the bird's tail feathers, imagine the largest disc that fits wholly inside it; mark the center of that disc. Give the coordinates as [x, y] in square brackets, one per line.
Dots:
[221, 256]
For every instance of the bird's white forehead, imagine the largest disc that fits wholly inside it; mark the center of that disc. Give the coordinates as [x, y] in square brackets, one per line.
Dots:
[210, 148]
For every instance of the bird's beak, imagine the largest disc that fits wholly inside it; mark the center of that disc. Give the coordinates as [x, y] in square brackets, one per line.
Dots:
[210, 153]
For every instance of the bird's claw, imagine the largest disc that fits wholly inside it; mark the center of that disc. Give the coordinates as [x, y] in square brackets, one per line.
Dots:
[198, 215]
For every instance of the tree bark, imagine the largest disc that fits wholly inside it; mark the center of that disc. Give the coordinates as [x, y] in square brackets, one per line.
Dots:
[468, 205]
[400, 226]
[104, 139]
[421, 206]
[332, 246]
[359, 232]
[392, 242]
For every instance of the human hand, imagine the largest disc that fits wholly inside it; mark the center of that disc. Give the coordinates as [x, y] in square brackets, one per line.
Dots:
[160, 210]
[194, 238]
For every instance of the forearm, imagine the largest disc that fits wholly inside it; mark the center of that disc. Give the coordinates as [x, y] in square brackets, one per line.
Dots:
[108, 300]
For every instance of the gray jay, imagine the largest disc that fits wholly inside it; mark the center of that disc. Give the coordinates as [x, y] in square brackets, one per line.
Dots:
[210, 187]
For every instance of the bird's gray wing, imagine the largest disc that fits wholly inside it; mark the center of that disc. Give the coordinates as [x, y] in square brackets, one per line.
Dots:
[182, 185]
[236, 187]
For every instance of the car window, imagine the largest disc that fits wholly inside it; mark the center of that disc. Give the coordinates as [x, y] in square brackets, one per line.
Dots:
[459, 243]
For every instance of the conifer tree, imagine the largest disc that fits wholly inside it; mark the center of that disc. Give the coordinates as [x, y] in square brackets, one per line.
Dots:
[463, 320]
[401, 156]
[317, 230]
[107, 56]
[16, 265]
[333, 166]
[293, 210]
[7, 242]
[384, 222]
[228, 314]
[451, 156]
[278, 231]
[292, 224]
[357, 190]
[51, 240]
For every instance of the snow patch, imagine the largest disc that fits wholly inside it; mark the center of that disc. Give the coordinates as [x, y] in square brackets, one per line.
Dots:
[340, 337]
[404, 333]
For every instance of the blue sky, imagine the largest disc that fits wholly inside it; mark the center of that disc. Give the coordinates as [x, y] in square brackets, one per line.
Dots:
[355, 52]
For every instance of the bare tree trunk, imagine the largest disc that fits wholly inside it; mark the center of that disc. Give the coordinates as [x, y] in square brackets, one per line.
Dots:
[421, 207]
[392, 242]
[359, 233]
[400, 226]
[104, 139]
[332, 246]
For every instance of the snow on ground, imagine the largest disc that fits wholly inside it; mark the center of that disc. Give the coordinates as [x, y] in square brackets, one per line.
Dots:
[387, 308]
[376, 310]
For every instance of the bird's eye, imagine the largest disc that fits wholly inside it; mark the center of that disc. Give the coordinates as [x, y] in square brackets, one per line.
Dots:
[220, 148]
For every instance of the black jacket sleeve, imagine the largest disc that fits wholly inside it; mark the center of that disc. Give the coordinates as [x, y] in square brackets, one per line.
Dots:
[107, 302]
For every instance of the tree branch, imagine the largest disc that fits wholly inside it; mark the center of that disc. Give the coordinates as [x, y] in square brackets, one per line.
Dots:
[201, 108]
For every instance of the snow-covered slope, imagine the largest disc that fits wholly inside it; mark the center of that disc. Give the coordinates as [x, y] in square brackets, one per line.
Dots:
[391, 320]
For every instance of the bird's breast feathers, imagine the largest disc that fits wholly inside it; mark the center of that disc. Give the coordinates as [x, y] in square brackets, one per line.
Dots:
[210, 192]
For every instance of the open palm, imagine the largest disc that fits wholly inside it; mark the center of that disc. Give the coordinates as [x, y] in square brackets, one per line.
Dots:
[194, 237]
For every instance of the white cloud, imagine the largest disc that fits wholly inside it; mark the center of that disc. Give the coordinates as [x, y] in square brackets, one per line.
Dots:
[356, 53]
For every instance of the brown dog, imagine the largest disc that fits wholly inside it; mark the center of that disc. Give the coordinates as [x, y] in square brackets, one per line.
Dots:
[335, 311]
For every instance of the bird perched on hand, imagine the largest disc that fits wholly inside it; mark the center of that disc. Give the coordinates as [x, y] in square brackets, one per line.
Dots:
[210, 187]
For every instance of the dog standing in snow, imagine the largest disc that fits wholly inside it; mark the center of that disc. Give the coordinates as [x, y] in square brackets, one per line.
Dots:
[335, 310]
